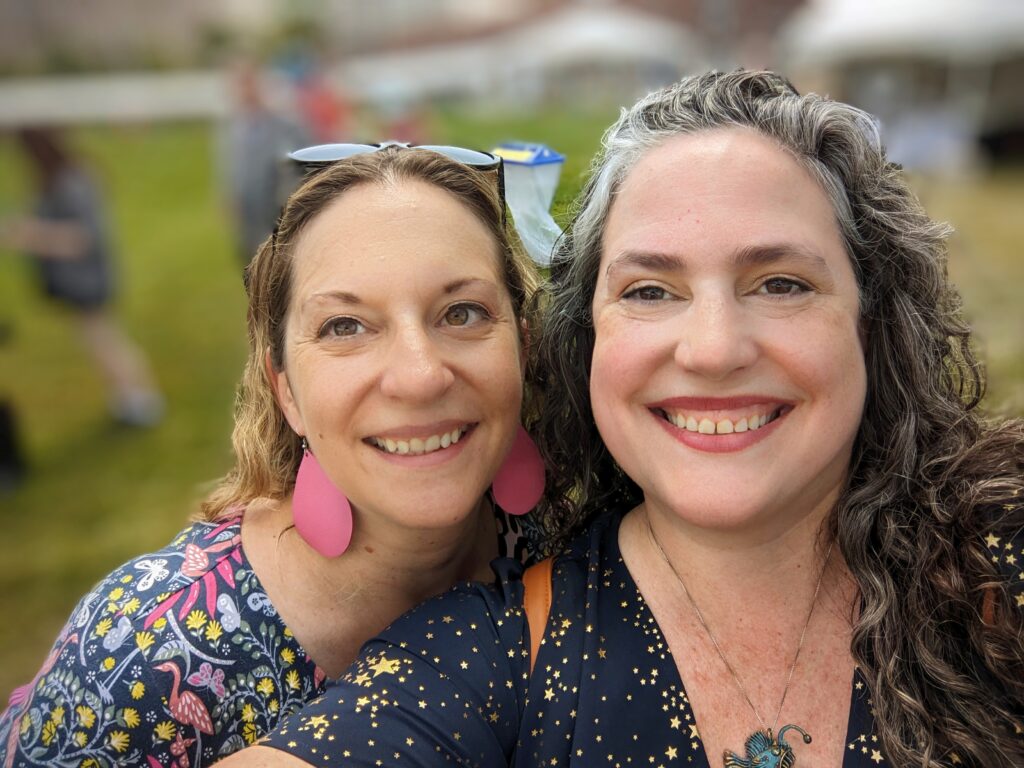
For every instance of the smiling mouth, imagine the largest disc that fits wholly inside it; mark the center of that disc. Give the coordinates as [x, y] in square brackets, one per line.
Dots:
[418, 446]
[706, 424]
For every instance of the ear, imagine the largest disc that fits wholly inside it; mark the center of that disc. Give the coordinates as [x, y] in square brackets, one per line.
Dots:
[524, 344]
[283, 395]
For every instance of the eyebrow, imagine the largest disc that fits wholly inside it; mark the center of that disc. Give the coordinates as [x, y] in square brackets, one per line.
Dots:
[345, 297]
[748, 256]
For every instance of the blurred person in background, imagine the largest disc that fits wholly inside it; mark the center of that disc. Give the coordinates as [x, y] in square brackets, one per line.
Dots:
[379, 458]
[253, 144]
[67, 238]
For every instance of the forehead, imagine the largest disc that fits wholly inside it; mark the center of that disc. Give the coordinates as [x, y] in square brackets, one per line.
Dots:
[405, 219]
[718, 187]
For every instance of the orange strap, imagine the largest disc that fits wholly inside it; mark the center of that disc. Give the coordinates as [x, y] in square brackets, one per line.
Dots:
[988, 607]
[537, 603]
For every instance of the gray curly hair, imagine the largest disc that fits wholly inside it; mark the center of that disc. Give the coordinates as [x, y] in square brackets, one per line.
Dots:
[927, 477]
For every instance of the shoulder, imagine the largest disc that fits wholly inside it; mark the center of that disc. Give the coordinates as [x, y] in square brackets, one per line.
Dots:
[176, 649]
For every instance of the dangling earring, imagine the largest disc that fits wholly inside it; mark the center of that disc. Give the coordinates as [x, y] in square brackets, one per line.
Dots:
[322, 514]
[519, 484]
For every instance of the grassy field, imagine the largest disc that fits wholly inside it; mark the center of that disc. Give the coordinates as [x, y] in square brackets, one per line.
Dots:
[97, 495]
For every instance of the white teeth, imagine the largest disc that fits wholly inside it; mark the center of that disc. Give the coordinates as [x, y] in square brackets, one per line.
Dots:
[706, 426]
[416, 446]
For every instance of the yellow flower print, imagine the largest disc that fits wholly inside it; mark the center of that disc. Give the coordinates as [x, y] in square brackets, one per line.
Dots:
[273, 706]
[126, 579]
[265, 686]
[288, 656]
[89, 762]
[138, 690]
[116, 593]
[213, 631]
[292, 679]
[131, 717]
[102, 627]
[159, 624]
[49, 731]
[26, 723]
[143, 640]
[131, 606]
[161, 597]
[80, 738]
[119, 740]
[288, 632]
[164, 731]
[195, 620]
[58, 714]
[86, 715]
[248, 713]
[108, 663]
[249, 733]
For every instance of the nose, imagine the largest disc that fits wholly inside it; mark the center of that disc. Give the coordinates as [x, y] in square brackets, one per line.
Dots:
[414, 366]
[716, 339]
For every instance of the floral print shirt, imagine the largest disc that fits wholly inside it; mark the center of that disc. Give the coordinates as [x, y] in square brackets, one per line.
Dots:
[175, 659]
[450, 683]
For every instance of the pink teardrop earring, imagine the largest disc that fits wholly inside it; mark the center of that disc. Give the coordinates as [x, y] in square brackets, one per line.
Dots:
[519, 484]
[322, 514]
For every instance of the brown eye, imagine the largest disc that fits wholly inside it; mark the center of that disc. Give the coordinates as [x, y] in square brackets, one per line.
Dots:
[647, 293]
[783, 286]
[341, 326]
[464, 314]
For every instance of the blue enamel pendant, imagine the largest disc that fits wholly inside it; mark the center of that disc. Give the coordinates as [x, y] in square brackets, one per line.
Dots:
[766, 751]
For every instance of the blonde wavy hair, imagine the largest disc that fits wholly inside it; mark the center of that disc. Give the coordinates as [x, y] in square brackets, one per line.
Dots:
[267, 451]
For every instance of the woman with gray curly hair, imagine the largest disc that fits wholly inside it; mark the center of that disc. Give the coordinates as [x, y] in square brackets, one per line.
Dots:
[800, 540]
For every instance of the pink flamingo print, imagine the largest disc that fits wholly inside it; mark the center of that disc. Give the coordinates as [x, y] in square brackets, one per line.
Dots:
[23, 693]
[186, 707]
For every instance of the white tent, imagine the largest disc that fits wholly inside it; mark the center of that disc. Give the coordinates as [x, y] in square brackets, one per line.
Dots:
[939, 73]
[834, 31]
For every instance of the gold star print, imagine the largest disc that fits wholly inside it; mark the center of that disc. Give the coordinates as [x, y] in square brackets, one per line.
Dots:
[447, 619]
[494, 717]
[675, 722]
[693, 731]
[1020, 600]
[362, 679]
[602, 653]
[670, 753]
[464, 665]
[549, 695]
[362, 701]
[423, 704]
[385, 666]
[1011, 559]
[992, 540]
[955, 758]
[566, 623]
[876, 756]
[318, 722]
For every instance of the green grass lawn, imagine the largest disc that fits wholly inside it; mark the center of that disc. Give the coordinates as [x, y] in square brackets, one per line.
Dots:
[96, 495]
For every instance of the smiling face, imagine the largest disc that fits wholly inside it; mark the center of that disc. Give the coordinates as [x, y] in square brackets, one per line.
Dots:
[728, 376]
[402, 361]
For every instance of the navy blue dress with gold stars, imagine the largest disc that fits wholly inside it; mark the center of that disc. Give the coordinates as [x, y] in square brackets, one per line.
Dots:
[450, 682]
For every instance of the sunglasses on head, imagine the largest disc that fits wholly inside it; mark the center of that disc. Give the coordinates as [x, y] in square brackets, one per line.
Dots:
[322, 155]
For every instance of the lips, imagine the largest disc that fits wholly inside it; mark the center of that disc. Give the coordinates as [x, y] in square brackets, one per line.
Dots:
[406, 444]
[721, 416]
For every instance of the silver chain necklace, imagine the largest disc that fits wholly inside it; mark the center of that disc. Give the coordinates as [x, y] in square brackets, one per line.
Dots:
[764, 746]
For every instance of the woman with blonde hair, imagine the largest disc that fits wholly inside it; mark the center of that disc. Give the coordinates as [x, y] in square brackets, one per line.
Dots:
[379, 454]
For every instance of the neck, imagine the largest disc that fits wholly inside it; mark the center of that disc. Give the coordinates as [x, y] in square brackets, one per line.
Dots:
[731, 570]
